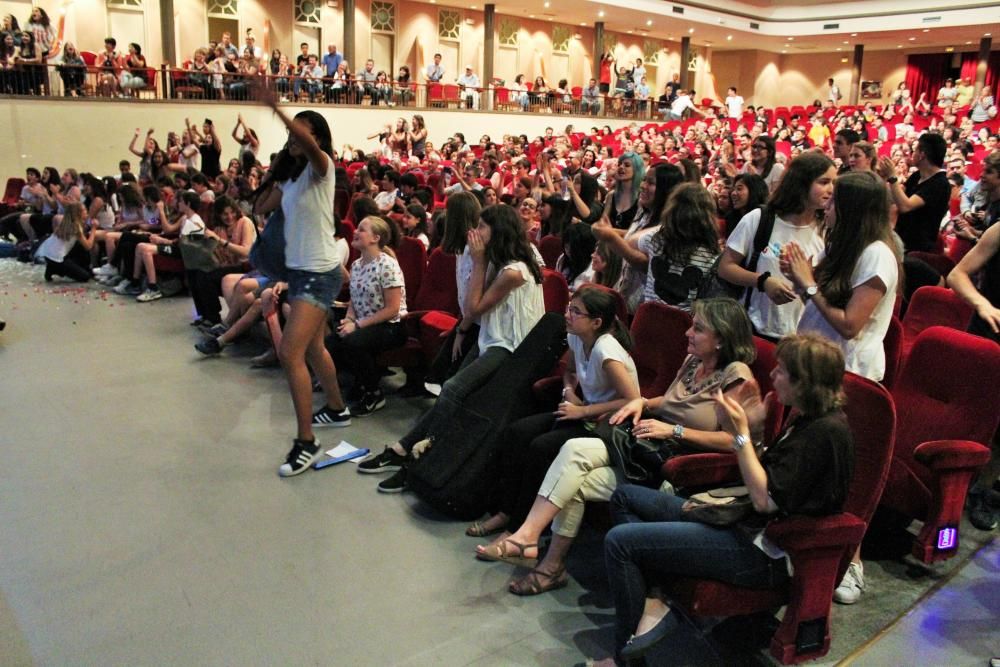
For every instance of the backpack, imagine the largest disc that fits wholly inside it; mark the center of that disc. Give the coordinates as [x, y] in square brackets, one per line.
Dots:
[714, 286]
[457, 475]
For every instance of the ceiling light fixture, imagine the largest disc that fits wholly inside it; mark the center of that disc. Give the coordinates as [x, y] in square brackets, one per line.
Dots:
[950, 49]
[690, 31]
[927, 30]
[545, 4]
[854, 34]
[600, 14]
[789, 39]
[913, 39]
[649, 21]
[729, 38]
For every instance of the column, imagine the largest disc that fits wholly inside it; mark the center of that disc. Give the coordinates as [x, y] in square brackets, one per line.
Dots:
[859, 53]
[489, 50]
[985, 44]
[349, 33]
[167, 33]
[598, 48]
[685, 57]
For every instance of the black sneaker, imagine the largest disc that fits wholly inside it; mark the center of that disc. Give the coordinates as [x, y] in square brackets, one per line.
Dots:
[327, 416]
[299, 458]
[394, 484]
[387, 461]
[208, 346]
[369, 403]
[981, 513]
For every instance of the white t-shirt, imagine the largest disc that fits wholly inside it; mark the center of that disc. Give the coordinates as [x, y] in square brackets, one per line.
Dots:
[768, 318]
[681, 104]
[507, 323]
[463, 276]
[864, 354]
[343, 251]
[192, 224]
[734, 106]
[590, 371]
[307, 203]
[368, 282]
[773, 177]
[55, 249]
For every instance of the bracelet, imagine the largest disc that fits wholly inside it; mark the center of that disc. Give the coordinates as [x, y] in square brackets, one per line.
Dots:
[761, 279]
[739, 442]
[225, 244]
[678, 432]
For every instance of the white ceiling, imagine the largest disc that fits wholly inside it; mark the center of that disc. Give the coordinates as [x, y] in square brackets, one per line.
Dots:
[958, 25]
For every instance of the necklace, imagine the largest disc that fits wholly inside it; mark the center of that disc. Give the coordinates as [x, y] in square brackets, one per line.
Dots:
[688, 380]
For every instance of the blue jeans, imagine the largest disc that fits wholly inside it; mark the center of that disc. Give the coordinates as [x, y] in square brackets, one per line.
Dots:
[477, 369]
[650, 543]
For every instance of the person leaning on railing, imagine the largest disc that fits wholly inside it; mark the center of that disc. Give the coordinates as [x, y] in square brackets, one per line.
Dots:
[72, 70]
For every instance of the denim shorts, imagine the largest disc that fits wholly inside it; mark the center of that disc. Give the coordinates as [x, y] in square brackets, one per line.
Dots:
[317, 289]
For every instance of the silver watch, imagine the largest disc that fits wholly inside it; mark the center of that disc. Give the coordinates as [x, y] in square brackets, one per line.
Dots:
[678, 432]
[739, 442]
[811, 291]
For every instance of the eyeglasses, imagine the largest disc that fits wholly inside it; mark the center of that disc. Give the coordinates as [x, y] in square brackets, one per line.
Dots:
[528, 205]
[575, 312]
[758, 147]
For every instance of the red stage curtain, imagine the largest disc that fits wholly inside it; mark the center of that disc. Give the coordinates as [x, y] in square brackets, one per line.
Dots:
[925, 73]
[970, 61]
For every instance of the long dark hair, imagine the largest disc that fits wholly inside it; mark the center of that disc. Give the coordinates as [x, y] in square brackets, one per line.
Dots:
[792, 193]
[558, 219]
[578, 245]
[861, 205]
[461, 214]
[688, 223]
[757, 193]
[772, 151]
[508, 241]
[668, 177]
[321, 132]
[602, 303]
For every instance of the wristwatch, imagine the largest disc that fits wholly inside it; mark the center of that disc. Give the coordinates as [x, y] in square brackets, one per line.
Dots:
[892, 180]
[678, 432]
[739, 442]
[762, 279]
[810, 292]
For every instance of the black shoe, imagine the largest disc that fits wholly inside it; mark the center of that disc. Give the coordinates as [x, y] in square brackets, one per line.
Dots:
[639, 645]
[394, 484]
[981, 512]
[300, 457]
[208, 347]
[327, 416]
[387, 461]
[369, 403]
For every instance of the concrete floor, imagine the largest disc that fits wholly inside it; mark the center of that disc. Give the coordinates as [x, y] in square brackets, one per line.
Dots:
[144, 522]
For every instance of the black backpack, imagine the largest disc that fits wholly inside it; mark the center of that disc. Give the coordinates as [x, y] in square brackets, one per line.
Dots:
[714, 286]
[457, 475]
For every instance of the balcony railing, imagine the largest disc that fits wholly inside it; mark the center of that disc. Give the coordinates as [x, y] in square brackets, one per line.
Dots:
[170, 83]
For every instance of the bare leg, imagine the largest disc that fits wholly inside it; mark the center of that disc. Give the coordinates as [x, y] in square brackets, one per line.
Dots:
[543, 511]
[110, 243]
[242, 325]
[25, 222]
[322, 364]
[304, 323]
[147, 253]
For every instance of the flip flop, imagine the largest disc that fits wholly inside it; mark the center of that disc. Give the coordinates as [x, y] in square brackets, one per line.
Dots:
[531, 583]
[498, 552]
[479, 529]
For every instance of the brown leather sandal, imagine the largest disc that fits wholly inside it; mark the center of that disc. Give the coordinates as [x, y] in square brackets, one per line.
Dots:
[499, 552]
[537, 582]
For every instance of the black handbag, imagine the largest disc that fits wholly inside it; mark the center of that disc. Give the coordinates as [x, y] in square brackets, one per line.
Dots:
[639, 459]
[198, 252]
[267, 254]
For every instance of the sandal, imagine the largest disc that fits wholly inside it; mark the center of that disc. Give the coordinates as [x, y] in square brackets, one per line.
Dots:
[480, 529]
[498, 552]
[533, 583]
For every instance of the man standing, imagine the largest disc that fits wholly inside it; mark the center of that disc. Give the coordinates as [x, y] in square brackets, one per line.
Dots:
[366, 81]
[923, 200]
[834, 97]
[673, 86]
[591, 102]
[435, 71]
[681, 104]
[252, 48]
[228, 46]
[734, 104]
[332, 60]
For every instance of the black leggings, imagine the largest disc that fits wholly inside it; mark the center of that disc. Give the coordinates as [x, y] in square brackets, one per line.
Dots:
[529, 447]
[357, 352]
[76, 265]
[125, 252]
[206, 288]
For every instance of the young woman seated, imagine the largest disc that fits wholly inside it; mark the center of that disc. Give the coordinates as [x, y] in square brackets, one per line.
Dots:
[374, 320]
[684, 419]
[600, 378]
[121, 245]
[67, 250]
[163, 243]
[806, 471]
[504, 295]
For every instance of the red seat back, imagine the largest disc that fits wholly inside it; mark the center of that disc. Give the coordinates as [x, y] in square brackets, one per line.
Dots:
[941, 263]
[412, 258]
[892, 344]
[763, 364]
[935, 306]
[555, 291]
[551, 247]
[871, 416]
[438, 290]
[12, 191]
[659, 345]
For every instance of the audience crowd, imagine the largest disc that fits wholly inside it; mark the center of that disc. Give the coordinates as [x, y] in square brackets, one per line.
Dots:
[817, 220]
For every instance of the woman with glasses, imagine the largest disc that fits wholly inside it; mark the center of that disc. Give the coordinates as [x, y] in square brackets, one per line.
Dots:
[683, 419]
[763, 155]
[600, 377]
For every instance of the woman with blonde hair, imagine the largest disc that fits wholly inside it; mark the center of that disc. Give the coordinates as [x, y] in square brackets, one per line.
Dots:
[67, 250]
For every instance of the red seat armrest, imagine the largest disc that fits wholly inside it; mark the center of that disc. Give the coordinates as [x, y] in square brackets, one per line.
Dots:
[801, 533]
[952, 454]
[695, 470]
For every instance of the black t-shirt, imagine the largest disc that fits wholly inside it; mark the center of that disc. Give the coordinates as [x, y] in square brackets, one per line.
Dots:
[919, 228]
[210, 160]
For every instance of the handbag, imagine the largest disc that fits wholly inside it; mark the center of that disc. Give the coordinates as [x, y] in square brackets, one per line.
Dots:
[639, 459]
[718, 507]
[267, 254]
[198, 252]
